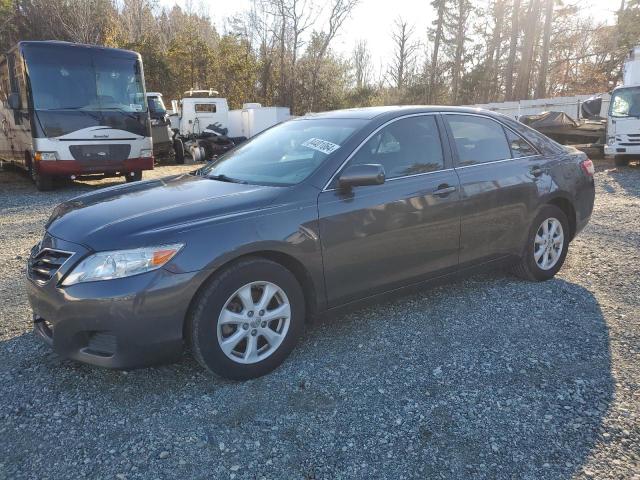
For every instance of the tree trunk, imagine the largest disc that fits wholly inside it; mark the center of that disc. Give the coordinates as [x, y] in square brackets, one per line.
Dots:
[541, 89]
[513, 47]
[528, 45]
[436, 49]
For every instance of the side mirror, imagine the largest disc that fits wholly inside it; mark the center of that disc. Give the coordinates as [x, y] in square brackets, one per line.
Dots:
[14, 101]
[361, 175]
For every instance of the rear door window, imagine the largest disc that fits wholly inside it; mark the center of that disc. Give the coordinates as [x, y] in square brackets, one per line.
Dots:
[478, 139]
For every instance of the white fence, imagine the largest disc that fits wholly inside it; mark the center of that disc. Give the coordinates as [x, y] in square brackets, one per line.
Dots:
[568, 105]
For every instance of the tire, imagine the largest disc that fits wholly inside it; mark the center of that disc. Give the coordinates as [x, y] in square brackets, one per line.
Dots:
[136, 177]
[621, 160]
[534, 267]
[224, 293]
[44, 183]
[178, 148]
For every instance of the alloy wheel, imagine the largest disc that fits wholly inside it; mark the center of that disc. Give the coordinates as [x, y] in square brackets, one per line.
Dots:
[254, 322]
[548, 243]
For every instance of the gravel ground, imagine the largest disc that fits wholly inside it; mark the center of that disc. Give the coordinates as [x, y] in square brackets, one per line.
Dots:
[490, 377]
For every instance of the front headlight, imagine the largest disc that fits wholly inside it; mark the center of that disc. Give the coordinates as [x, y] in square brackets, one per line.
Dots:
[146, 153]
[121, 263]
[46, 156]
[611, 140]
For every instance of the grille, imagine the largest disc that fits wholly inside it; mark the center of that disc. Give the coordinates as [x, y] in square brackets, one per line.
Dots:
[100, 153]
[44, 265]
[630, 140]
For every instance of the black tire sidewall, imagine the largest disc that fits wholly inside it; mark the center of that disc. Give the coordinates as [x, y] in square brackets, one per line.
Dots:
[548, 211]
[178, 148]
[204, 318]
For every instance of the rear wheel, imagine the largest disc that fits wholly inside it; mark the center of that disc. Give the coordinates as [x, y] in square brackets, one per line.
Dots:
[621, 160]
[134, 176]
[547, 245]
[247, 320]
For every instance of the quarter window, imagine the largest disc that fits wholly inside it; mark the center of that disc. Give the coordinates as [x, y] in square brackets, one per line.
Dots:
[478, 139]
[405, 147]
[519, 146]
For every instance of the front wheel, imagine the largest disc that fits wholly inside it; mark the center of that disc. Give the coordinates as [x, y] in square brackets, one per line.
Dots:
[43, 183]
[621, 160]
[247, 319]
[547, 245]
[134, 176]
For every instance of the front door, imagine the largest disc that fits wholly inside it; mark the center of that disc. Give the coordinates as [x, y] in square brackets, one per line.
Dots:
[376, 238]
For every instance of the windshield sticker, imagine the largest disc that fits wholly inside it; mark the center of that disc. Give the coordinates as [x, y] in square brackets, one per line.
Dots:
[321, 145]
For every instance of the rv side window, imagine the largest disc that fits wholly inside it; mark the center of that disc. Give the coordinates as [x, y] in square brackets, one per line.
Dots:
[205, 108]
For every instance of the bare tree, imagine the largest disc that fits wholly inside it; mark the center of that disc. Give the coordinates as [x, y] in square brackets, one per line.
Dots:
[513, 46]
[528, 46]
[441, 6]
[340, 11]
[541, 88]
[361, 62]
[301, 14]
[460, 22]
[404, 53]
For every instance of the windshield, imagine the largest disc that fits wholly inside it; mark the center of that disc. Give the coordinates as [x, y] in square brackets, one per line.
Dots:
[156, 105]
[625, 103]
[75, 78]
[285, 154]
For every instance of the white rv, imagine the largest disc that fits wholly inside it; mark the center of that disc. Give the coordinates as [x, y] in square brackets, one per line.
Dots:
[70, 110]
[623, 119]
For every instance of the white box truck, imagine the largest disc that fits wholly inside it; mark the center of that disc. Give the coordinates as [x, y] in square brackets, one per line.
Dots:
[623, 119]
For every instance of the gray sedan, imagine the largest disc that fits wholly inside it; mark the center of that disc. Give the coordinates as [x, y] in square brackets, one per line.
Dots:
[309, 216]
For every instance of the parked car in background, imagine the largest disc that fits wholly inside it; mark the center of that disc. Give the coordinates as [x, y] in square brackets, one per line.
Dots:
[308, 216]
[70, 110]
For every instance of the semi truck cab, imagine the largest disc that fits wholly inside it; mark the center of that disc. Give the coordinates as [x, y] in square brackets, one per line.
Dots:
[623, 119]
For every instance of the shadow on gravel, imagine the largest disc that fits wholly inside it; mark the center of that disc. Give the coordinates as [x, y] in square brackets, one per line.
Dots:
[485, 378]
[628, 178]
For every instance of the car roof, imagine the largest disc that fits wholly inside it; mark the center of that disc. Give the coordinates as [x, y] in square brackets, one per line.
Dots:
[369, 113]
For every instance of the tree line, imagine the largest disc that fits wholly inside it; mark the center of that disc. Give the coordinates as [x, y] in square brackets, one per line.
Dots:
[280, 52]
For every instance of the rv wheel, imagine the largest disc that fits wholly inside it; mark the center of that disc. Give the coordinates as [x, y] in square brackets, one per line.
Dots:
[43, 183]
[133, 176]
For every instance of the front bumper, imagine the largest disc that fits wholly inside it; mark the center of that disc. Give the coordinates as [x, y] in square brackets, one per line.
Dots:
[75, 167]
[123, 323]
[622, 150]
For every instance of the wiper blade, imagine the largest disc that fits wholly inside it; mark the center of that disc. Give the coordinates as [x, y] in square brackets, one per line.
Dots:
[224, 178]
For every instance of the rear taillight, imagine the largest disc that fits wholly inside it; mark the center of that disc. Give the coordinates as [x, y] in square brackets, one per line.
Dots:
[587, 167]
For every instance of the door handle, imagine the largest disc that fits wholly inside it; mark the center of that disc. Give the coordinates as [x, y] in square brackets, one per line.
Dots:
[444, 190]
[536, 171]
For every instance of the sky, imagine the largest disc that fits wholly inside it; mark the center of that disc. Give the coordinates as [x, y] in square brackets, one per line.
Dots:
[373, 20]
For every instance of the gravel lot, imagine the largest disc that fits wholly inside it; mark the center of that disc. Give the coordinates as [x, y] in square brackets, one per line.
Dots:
[490, 377]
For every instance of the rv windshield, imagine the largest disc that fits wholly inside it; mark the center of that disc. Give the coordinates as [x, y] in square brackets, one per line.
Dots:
[76, 78]
[74, 87]
[625, 103]
[285, 154]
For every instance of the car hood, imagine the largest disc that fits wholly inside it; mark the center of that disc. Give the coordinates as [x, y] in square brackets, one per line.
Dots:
[141, 213]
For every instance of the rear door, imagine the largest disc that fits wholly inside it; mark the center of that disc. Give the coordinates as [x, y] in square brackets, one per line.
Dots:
[379, 237]
[500, 176]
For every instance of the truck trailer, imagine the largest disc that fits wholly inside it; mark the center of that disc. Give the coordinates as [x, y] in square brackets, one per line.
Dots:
[72, 110]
